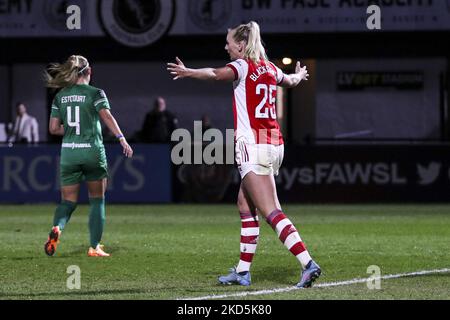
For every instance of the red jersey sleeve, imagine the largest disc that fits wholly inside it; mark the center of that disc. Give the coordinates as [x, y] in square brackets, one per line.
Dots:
[279, 73]
[238, 68]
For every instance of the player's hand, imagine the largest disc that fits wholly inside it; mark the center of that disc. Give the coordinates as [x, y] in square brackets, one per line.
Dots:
[301, 71]
[127, 150]
[178, 70]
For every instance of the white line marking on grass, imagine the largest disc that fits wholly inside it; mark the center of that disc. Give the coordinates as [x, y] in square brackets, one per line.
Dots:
[320, 285]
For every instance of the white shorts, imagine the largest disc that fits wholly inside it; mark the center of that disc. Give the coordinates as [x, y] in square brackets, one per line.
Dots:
[261, 159]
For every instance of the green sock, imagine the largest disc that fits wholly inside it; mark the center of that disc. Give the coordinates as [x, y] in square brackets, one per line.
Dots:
[63, 213]
[96, 220]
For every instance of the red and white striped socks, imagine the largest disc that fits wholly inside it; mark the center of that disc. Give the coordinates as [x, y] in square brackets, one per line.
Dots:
[249, 240]
[288, 234]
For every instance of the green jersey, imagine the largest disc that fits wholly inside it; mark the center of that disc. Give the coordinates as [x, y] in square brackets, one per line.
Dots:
[77, 107]
[83, 156]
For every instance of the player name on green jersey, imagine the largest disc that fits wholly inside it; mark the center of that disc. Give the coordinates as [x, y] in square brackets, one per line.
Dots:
[71, 99]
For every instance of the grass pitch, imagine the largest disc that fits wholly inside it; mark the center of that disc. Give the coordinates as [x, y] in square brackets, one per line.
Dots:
[177, 251]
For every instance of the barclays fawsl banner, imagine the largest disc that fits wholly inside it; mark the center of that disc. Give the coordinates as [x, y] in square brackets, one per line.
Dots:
[139, 23]
[373, 174]
[334, 174]
[30, 175]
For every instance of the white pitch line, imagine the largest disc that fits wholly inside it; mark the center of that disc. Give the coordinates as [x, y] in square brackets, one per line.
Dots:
[320, 285]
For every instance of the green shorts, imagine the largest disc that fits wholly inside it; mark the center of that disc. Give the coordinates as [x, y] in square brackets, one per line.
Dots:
[78, 165]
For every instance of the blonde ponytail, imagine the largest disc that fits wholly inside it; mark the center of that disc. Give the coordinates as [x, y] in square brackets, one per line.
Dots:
[251, 34]
[64, 75]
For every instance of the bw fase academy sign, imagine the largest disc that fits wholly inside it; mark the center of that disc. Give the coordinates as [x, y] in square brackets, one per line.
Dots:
[141, 23]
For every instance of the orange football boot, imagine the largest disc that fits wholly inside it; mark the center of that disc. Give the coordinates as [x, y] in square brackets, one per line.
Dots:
[98, 252]
[52, 242]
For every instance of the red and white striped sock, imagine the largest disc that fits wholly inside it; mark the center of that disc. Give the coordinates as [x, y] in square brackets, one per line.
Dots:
[249, 240]
[289, 236]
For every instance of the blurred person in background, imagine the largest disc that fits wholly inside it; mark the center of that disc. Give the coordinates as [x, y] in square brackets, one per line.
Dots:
[26, 127]
[159, 123]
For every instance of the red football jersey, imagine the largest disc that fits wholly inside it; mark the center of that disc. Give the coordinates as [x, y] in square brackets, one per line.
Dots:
[254, 103]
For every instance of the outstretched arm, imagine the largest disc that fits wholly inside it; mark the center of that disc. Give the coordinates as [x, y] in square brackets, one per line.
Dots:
[109, 120]
[294, 79]
[179, 71]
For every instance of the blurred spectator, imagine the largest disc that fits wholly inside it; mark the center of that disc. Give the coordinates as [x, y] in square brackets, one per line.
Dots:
[159, 124]
[3, 132]
[26, 128]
